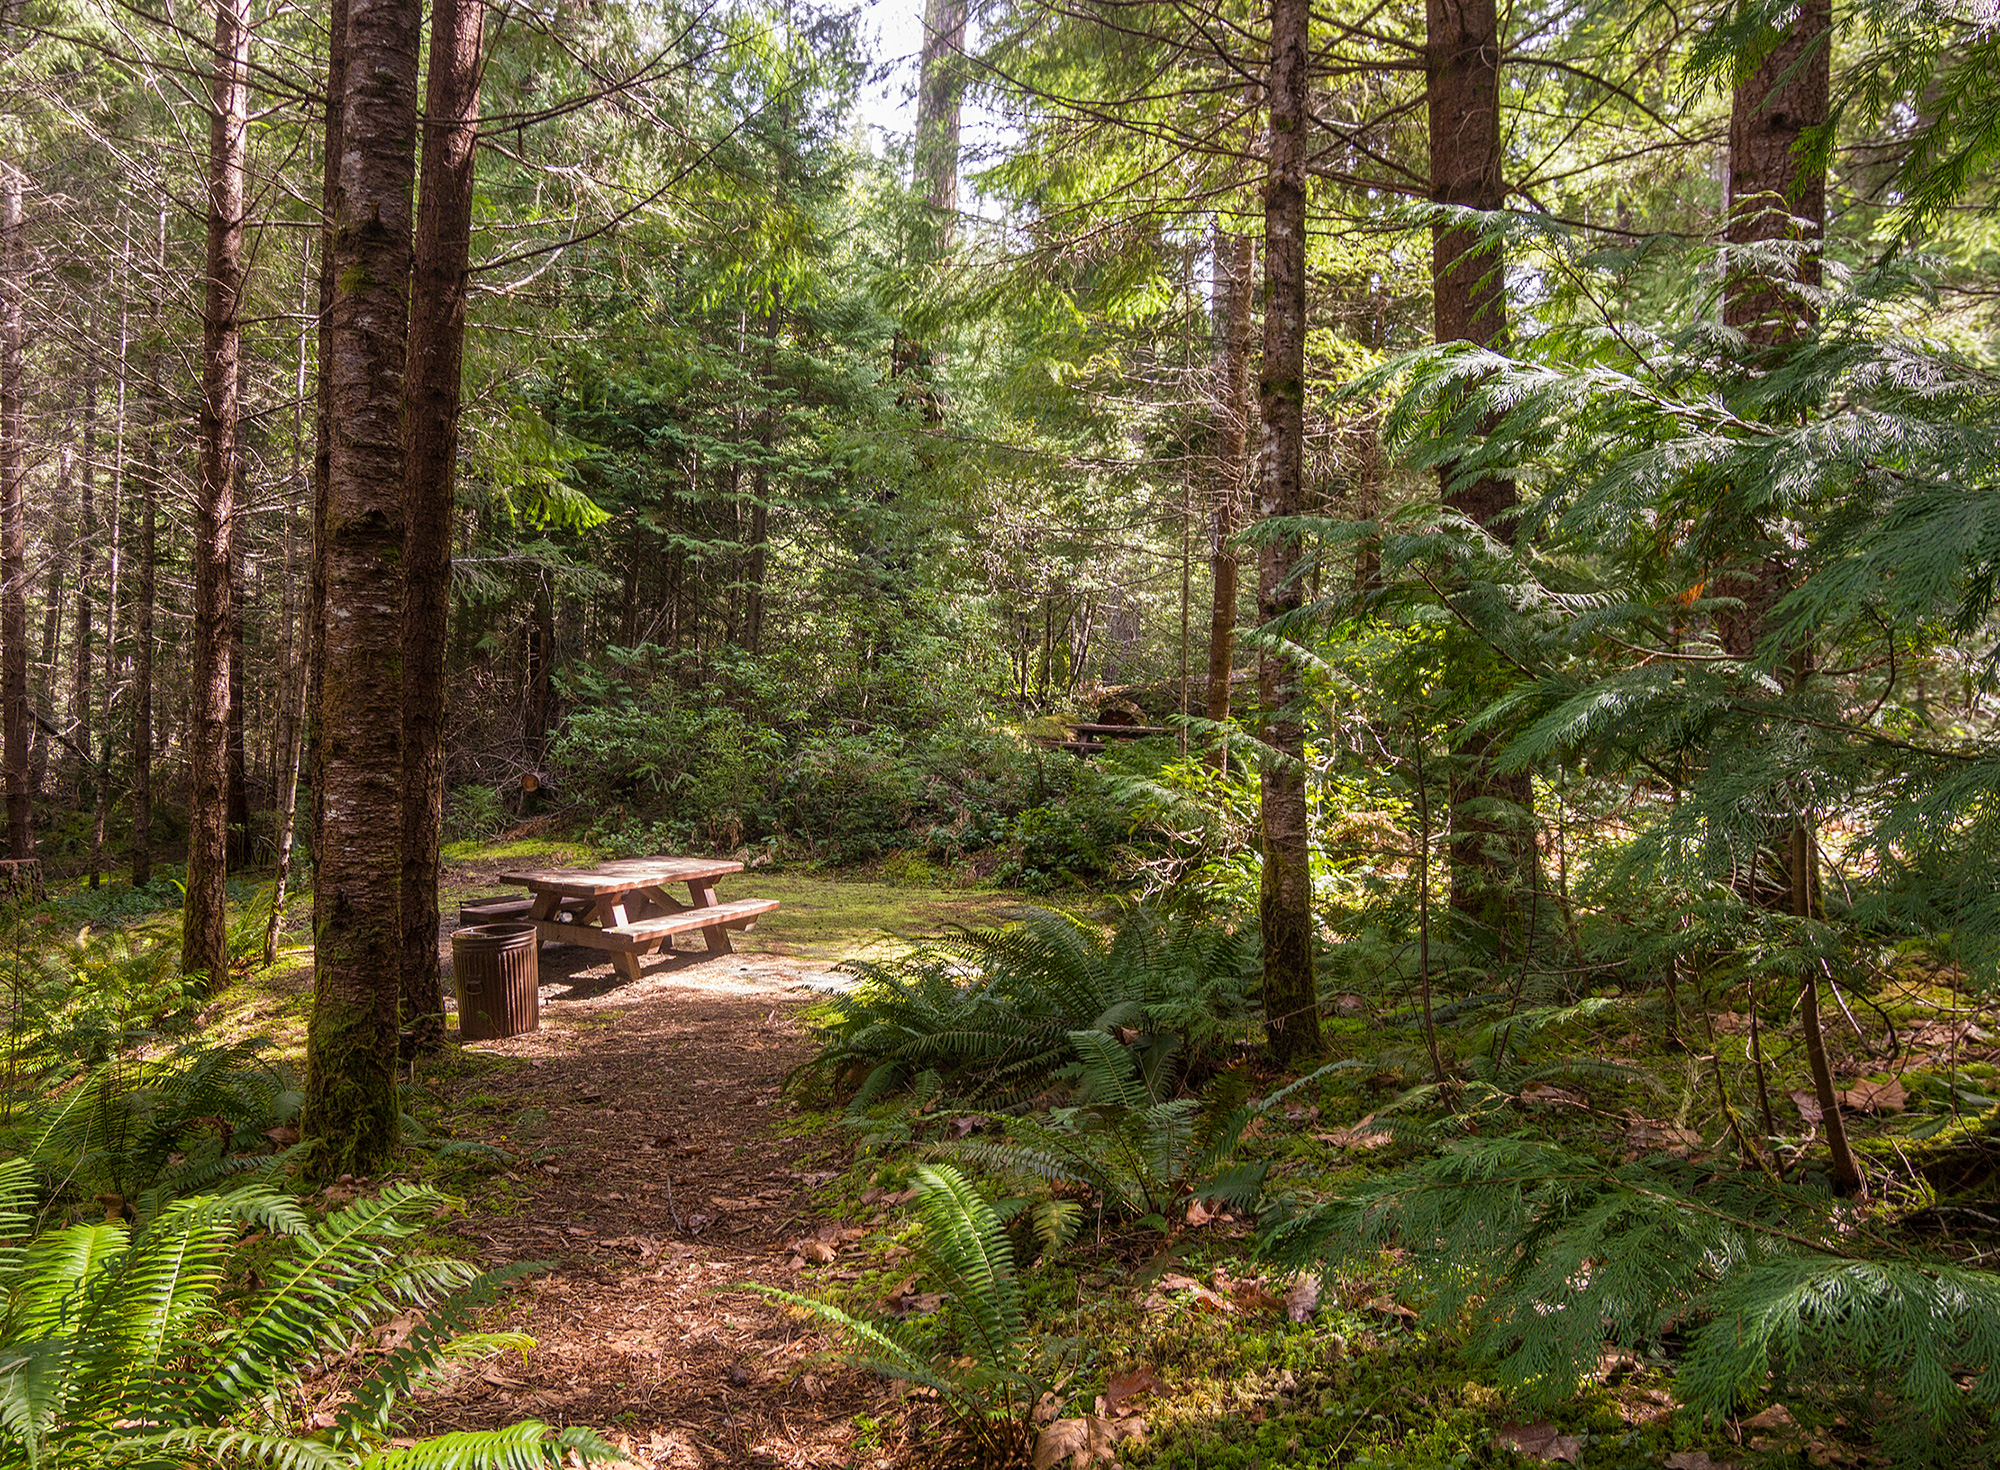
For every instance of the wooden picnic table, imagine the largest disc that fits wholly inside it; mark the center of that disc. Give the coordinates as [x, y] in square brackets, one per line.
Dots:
[624, 906]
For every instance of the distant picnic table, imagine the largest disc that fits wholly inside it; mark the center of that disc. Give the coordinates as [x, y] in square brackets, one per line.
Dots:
[624, 906]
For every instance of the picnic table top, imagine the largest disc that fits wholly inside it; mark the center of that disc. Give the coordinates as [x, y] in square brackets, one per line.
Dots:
[620, 876]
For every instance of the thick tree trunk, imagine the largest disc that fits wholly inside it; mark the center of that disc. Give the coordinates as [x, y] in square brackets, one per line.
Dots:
[336, 92]
[430, 441]
[350, 1115]
[204, 929]
[1235, 266]
[148, 596]
[1777, 193]
[1492, 838]
[16, 729]
[940, 95]
[1291, 996]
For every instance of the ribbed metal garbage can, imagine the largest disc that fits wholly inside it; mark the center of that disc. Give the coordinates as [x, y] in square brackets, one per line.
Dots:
[494, 967]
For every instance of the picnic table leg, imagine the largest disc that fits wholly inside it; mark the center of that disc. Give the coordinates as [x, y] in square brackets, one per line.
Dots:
[627, 961]
[703, 892]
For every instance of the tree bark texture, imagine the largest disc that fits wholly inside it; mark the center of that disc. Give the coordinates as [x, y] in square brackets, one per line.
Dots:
[80, 713]
[336, 93]
[204, 929]
[1291, 996]
[430, 458]
[1491, 843]
[940, 96]
[350, 1115]
[1777, 193]
[147, 599]
[15, 726]
[1235, 267]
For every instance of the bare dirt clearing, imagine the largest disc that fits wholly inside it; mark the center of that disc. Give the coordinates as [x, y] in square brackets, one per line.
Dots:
[663, 1171]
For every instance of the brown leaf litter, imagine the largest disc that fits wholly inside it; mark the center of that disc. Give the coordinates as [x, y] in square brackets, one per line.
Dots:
[671, 1182]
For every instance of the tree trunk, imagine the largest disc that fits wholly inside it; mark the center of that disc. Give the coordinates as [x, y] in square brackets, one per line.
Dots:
[940, 95]
[148, 596]
[80, 713]
[294, 678]
[15, 727]
[1491, 844]
[204, 929]
[1777, 192]
[430, 443]
[113, 581]
[1235, 265]
[1291, 996]
[350, 1115]
[237, 782]
[336, 92]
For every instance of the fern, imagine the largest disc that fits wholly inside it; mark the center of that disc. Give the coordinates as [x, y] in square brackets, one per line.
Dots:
[996, 1011]
[966, 1255]
[1541, 1255]
[116, 1348]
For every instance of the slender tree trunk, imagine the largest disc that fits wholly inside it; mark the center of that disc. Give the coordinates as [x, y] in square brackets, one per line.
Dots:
[1492, 822]
[295, 678]
[1777, 192]
[15, 727]
[113, 581]
[80, 713]
[237, 782]
[350, 1115]
[148, 597]
[430, 444]
[1291, 996]
[1235, 266]
[204, 929]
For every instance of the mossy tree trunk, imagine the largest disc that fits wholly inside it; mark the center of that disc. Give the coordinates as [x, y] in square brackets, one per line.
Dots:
[1291, 997]
[204, 929]
[350, 1115]
[430, 445]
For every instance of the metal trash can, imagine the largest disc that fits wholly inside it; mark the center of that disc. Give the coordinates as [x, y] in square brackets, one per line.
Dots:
[494, 968]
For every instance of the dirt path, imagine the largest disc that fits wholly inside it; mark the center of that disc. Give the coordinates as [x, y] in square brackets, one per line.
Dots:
[670, 1178]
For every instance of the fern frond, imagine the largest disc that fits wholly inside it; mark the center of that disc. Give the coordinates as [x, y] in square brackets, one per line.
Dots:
[529, 1445]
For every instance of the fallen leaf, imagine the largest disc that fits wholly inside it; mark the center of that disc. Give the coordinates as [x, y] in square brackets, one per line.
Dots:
[1695, 1460]
[1302, 1301]
[1808, 1106]
[1382, 1306]
[284, 1135]
[1875, 1097]
[1775, 1417]
[1090, 1440]
[1541, 1441]
[1660, 1138]
[1361, 1135]
[1197, 1214]
[816, 1251]
[1121, 1388]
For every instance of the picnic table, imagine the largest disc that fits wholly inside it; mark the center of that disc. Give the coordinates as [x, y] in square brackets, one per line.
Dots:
[624, 906]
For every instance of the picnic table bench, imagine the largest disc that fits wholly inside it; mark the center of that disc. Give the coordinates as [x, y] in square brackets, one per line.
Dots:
[624, 906]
